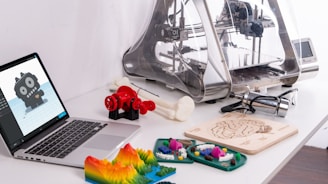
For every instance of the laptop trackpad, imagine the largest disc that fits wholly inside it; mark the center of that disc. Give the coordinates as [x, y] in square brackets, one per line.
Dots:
[105, 142]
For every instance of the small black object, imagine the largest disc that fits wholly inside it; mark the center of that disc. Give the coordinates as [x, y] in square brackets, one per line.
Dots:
[210, 101]
[130, 114]
[257, 28]
[232, 107]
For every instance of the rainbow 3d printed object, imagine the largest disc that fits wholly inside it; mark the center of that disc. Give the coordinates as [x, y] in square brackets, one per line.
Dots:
[130, 166]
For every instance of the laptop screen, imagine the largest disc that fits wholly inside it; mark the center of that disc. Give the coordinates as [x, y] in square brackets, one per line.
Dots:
[28, 101]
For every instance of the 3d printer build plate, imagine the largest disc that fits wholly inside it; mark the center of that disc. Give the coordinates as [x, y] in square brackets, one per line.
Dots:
[242, 132]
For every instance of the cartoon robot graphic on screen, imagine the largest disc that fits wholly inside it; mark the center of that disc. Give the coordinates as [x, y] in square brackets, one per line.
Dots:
[28, 89]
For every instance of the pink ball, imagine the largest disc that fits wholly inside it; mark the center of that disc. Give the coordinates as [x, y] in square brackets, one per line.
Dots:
[217, 152]
[175, 145]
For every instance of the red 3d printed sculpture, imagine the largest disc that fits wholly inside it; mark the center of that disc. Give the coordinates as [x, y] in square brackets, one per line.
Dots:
[126, 99]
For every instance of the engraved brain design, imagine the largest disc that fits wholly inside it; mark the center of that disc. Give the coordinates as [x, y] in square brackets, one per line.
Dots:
[235, 128]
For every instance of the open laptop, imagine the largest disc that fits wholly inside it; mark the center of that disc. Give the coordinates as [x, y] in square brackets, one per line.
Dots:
[32, 113]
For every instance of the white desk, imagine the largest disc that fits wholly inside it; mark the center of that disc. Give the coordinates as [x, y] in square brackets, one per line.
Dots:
[308, 115]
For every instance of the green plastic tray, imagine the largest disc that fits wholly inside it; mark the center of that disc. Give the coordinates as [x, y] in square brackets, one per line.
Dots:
[161, 142]
[239, 158]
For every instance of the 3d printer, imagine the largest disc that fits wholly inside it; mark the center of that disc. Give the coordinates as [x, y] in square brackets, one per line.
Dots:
[210, 48]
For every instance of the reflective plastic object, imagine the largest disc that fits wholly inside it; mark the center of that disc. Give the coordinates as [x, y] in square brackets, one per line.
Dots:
[210, 48]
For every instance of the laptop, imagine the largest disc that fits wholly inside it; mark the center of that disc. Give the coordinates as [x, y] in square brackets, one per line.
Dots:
[34, 123]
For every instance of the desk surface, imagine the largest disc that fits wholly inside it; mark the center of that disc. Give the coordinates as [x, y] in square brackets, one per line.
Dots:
[309, 114]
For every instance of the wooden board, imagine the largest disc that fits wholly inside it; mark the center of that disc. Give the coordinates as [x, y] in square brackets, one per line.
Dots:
[242, 132]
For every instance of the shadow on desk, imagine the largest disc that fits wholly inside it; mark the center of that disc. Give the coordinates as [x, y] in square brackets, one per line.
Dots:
[3, 150]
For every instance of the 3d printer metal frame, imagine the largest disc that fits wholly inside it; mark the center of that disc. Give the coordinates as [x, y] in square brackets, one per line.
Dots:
[189, 46]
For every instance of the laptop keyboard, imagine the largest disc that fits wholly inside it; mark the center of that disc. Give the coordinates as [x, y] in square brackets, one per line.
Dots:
[4, 107]
[67, 139]
[3, 103]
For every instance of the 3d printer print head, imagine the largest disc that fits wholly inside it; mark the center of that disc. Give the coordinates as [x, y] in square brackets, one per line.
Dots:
[27, 88]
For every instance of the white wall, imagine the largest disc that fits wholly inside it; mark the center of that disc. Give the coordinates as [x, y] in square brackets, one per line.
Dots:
[312, 16]
[312, 21]
[82, 41]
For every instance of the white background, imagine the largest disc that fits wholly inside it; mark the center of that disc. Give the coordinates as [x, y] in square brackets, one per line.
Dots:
[82, 42]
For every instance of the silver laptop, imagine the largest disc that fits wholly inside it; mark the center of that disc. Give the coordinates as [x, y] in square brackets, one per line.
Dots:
[35, 125]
